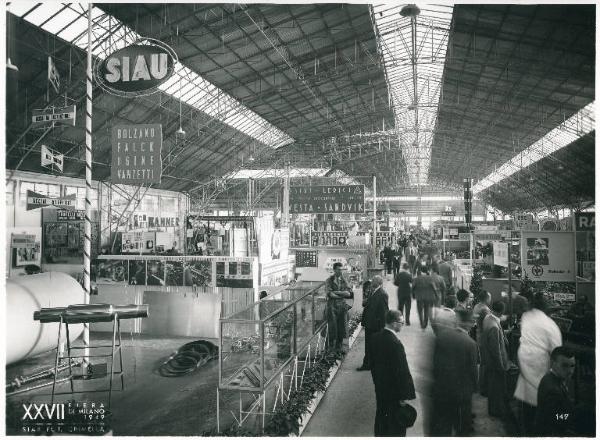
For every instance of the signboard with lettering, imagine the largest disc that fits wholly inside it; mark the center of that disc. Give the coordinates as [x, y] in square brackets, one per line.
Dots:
[564, 297]
[307, 259]
[500, 254]
[35, 201]
[63, 215]
[585, 241]
[324, 199]
[136, 152]
[136, 70]
[548, 256]
[64, 115]
[524, 221]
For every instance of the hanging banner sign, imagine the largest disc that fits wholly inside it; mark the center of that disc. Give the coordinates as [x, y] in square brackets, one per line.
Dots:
[585, 221]
[62, 215]
[136, 70]
[136, 152]
[51, 158]
[327, 199]
[548, 256]
[63, 115]
[500, 254]
[35, 200]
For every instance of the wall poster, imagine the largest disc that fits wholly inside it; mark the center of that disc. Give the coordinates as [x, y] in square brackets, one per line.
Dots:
[548, 256]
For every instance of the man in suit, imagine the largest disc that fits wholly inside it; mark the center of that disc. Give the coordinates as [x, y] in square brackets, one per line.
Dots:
[425, 290]
[404, 282]
[455, 378]
[373, 318]
[446, 271]
[388, 255]
[440, 283]
[555, 410]
[338, 291]
[391, 376]
[495, 358]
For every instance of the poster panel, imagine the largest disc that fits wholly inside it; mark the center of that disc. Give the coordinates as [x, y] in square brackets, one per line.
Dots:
[137, 272]
[500, 254]
[548, 255]
[110, 272]
[155, 273]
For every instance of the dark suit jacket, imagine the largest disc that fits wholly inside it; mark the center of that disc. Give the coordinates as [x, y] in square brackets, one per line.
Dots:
[455, 365]
[553, 401]
[389, 368]
[493, 345]
[374, 313]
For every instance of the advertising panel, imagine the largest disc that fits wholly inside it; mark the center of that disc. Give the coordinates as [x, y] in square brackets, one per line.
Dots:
[136, 155]
[548, 256]
[327, 199]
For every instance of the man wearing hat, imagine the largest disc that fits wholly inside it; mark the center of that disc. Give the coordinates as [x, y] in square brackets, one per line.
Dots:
[455, 375]
[495, 358]
[393, 381]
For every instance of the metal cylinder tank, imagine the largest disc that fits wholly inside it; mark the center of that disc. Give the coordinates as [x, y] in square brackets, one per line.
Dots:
[27, 294]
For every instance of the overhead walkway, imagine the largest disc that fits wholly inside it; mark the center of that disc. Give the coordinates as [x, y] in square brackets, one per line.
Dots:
[348, 407]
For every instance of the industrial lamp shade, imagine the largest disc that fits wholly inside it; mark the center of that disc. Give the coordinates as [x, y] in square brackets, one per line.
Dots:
[410, 11]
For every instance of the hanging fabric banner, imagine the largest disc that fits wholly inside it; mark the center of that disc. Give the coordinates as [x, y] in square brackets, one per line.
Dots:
[136, 152]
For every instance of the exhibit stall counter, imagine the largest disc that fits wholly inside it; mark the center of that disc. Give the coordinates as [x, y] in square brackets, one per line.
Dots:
[354, 262]
[186, 295]
[259, 342]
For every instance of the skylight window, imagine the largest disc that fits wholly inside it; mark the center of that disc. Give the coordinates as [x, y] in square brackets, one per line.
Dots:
[415, 102]
[578, 125]
[69, 22]
[278, 173]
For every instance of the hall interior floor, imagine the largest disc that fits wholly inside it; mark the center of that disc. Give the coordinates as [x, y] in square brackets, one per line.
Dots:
[348, 407]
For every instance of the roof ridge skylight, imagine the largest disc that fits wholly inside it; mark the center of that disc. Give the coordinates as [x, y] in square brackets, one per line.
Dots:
[577, 126]
[69, 22]
[415, 116]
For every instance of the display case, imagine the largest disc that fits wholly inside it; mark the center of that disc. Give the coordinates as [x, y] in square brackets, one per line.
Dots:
[258, 342]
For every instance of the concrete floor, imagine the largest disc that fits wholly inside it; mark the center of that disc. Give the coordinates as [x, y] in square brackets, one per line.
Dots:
[348, 407]
[150, 404]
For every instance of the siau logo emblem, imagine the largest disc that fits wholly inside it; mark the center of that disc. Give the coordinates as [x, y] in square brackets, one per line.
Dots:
[136, 70]
[44, 411]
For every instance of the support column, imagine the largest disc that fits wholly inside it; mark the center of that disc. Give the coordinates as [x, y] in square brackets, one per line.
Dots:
[87, 243]
[374, 219]
[285, 205]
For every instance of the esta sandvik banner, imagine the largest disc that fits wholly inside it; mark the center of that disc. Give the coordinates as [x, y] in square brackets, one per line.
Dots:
[136, 156]
[327, 199]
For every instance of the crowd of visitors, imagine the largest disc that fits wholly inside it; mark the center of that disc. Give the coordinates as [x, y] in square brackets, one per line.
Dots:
[471, 349]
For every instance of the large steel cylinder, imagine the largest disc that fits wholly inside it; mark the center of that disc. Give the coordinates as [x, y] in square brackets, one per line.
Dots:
[27, 294]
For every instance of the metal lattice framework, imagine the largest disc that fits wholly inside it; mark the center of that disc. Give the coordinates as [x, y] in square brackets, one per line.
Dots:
[469, 90]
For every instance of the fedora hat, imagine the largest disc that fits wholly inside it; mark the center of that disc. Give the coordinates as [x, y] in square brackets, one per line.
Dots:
[407, 415]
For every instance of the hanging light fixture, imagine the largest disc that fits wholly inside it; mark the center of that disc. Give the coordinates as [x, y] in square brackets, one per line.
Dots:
[180, 131]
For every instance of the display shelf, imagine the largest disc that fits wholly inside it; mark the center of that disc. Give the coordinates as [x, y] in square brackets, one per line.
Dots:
[257, 343]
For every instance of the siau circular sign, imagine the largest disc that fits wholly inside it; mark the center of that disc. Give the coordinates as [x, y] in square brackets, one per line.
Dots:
[136, 70]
